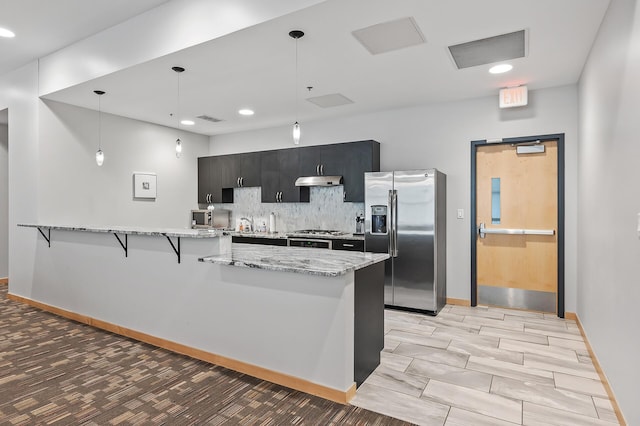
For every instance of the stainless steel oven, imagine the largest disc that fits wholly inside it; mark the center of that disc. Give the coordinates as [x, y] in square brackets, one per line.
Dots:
[309, 242]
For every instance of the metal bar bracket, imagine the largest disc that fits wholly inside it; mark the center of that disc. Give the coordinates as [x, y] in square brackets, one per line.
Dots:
[125, 245]
[176, 250]
[482, 231]
[47, 238]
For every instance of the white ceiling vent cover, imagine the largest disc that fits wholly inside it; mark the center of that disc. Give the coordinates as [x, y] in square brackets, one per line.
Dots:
[390, 36]
[489, 50]
[208, 118]
[330, 101]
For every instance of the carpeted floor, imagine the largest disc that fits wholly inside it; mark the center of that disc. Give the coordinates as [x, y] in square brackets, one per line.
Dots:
[56, 371]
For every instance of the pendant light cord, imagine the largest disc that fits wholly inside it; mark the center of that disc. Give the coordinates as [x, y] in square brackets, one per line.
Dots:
[99, 122]
[296, 80]
[178, 114]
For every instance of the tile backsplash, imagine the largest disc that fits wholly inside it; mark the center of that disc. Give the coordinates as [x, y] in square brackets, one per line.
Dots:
[326, 210]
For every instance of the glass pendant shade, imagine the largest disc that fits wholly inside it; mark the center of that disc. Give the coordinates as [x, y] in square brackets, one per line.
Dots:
[296, 133]
[99, 157]
[178, 148]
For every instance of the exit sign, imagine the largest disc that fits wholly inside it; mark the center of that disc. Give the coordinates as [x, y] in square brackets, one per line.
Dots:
[513, 97]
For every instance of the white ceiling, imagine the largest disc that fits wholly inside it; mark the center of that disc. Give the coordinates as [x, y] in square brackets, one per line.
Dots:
[44, 26]
[255, 67]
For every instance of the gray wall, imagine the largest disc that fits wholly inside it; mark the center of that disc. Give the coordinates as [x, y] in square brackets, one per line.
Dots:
[608, 241]
[74, 190]
[4, 199]
[439, 136]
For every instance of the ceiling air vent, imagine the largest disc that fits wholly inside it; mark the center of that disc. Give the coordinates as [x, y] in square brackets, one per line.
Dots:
[208, 118]
[389, 36]
[329, 101]
[489, 50]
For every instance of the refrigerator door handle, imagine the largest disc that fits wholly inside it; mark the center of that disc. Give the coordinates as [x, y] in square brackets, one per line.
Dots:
[394, 223]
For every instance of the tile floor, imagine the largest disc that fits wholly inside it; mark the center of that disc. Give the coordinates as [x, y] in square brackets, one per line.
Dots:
[485, 366]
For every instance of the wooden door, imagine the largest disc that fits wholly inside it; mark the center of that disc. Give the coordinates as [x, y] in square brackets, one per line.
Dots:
[517, 217]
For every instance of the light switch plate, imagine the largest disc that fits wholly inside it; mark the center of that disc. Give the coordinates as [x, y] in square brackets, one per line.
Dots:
[461, 216]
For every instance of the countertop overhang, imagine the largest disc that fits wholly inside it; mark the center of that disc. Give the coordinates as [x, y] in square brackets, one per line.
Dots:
[323, 262]
[134, 230]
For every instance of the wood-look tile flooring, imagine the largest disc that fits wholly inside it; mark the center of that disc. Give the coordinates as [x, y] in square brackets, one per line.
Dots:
[485, 366]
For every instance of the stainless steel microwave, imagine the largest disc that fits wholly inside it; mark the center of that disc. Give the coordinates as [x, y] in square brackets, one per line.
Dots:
[217, 218]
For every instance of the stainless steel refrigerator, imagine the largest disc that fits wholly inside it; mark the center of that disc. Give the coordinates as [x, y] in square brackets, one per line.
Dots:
[405, 216]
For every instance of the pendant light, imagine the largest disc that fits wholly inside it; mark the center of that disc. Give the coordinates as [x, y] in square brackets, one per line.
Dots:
[178, 70]
[99, 153]
[296, 34]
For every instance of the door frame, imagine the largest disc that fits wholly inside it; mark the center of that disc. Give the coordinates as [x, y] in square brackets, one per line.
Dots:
[559, 139]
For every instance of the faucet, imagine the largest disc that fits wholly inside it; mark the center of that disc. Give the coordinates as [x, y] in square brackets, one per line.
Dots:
[250, 220]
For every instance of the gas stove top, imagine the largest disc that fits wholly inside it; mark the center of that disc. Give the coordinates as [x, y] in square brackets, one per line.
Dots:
[315, 233]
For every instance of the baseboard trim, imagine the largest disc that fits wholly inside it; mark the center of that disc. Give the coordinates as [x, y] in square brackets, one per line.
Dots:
[4, 281]
[302, 385]
[596, 364]
[460, 302]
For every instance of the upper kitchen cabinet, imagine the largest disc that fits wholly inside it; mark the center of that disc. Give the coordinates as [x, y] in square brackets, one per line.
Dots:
[349, 160]
[361, 157]
[279, 172]
[209, 183]
[241, 170]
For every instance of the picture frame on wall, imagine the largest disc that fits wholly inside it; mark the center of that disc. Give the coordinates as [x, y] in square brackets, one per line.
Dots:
[144, 186]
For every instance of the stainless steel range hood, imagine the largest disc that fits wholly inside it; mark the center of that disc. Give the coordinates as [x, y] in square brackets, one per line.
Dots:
[319, 181]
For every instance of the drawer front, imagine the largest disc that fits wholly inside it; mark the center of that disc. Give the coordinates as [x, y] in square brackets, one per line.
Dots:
[352, 245]
[258, 240]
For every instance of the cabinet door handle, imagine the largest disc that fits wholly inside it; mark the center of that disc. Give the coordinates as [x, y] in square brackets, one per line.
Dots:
[321, 169]
[277, 196]
[344, 195]
[317, 169]
[238, 182]
[280, 196]
[241, 181]
[347, 245]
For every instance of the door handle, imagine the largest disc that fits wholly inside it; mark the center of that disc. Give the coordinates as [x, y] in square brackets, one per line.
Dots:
[482, 231]
[317, 169]
[276, 197]
[321, 169]
[394, 218]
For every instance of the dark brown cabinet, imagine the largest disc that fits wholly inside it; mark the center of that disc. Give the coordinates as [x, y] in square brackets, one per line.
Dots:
[209, 182]
[350, 160]
[350, 245]
[279, 172]
[276, 171]
[241, 170]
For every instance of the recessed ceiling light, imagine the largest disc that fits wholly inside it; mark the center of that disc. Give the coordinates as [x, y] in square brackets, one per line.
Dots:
[246, 111]
[500, 68]
[6, 33]
[188, 122]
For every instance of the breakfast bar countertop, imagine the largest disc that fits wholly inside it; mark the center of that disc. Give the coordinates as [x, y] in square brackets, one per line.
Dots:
[313, 261]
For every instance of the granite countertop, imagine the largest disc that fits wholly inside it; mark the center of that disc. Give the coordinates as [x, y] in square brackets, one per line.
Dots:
[302, 260]
[275, 235]
[136, 230]
[285, 235]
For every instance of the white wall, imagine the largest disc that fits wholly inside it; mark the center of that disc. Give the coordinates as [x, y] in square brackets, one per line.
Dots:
[74, 190]
[608, 241]
[4, 201]
[439, 136]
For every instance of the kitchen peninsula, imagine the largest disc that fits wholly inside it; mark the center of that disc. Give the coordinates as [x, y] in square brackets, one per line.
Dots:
[309, 319]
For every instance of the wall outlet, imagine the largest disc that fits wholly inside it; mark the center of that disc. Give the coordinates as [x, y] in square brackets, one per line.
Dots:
[461, 216]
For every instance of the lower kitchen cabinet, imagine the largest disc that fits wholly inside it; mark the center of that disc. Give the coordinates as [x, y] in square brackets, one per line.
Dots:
[259, 240]
[350, 245]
